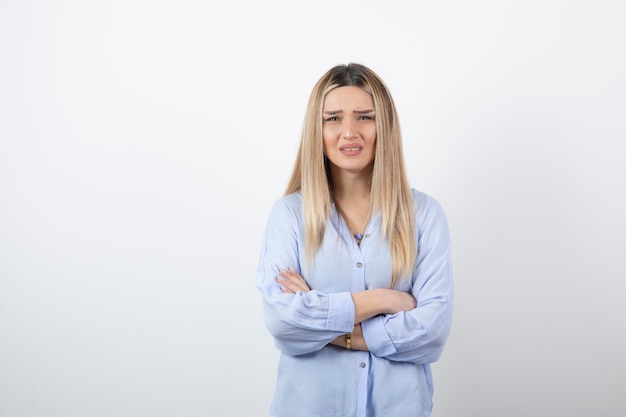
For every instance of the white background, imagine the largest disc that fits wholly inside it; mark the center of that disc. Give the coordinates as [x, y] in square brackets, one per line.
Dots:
[142, 144]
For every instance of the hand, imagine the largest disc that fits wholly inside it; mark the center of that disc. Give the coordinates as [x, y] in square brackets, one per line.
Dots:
[370, 303]
[400, 301]
[291, 282]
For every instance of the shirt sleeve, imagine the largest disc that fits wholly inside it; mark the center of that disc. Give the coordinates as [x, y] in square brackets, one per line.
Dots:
[419, 335]
[300, 323]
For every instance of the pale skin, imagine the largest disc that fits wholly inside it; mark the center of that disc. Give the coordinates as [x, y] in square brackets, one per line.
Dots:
[349, 134]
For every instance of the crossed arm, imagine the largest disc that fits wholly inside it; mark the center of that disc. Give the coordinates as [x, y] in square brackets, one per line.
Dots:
[367, 304]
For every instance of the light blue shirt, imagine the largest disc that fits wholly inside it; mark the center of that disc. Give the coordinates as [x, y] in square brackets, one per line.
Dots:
[316, 379]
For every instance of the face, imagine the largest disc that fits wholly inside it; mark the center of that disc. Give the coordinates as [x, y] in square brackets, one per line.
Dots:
[349, 129]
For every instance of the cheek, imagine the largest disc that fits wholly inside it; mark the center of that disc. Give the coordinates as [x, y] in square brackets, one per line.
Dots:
[327, 138]
[327, 133]
[372, 136]
[372, 133]
[325, 145]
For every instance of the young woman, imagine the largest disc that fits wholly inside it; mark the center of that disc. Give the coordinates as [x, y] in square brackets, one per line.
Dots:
[355, 267]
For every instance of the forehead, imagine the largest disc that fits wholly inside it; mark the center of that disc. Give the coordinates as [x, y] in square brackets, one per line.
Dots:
[348, 97]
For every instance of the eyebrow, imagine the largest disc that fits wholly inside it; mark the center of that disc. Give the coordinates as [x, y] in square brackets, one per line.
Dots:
[332, 112]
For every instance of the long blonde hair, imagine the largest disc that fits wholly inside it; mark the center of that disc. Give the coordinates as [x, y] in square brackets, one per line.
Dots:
[390, 192]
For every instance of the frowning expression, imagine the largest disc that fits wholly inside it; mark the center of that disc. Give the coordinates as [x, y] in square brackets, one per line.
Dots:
[349, 129]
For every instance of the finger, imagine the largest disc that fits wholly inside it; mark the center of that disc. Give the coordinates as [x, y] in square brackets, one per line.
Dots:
[295, 273]
[294, 283]
[296, 279]
[284, 286]
[286, 290]
[287, 285]
[300, 282]
[291, 275]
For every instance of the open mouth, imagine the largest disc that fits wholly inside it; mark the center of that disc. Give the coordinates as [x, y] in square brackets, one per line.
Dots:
[351, 149]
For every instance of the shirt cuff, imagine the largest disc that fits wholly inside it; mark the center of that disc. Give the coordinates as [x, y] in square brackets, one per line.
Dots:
[340, 312]
[376, 337]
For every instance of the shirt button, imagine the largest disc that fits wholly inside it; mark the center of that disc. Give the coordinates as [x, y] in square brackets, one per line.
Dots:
[367, 235]
[362, 364]
[359, 265]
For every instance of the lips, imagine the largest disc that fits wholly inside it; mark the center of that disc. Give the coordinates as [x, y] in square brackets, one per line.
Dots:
[351, 149]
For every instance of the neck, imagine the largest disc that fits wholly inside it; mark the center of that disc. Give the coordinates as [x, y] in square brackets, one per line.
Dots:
[351, 193]
[351, 188]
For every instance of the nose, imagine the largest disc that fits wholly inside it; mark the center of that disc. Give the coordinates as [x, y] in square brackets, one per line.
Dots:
[349, 128]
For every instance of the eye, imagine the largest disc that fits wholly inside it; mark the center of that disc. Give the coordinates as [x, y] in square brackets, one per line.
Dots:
[331, 119]
[365, 117]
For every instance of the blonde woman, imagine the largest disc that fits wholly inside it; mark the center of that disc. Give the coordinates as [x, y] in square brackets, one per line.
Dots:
[355, 267]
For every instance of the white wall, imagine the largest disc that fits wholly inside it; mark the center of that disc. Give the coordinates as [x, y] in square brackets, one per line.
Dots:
[143, 142]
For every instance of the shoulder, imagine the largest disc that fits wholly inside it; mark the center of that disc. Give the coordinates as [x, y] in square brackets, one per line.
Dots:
[293, 200]
[287, 206]
[427, 208]
[424, 201]
[285, 216]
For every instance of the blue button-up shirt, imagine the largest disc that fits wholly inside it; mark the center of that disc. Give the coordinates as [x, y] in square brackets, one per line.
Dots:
[394, 378]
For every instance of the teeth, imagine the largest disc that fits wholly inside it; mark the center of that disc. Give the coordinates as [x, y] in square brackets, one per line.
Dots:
[351, 149]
